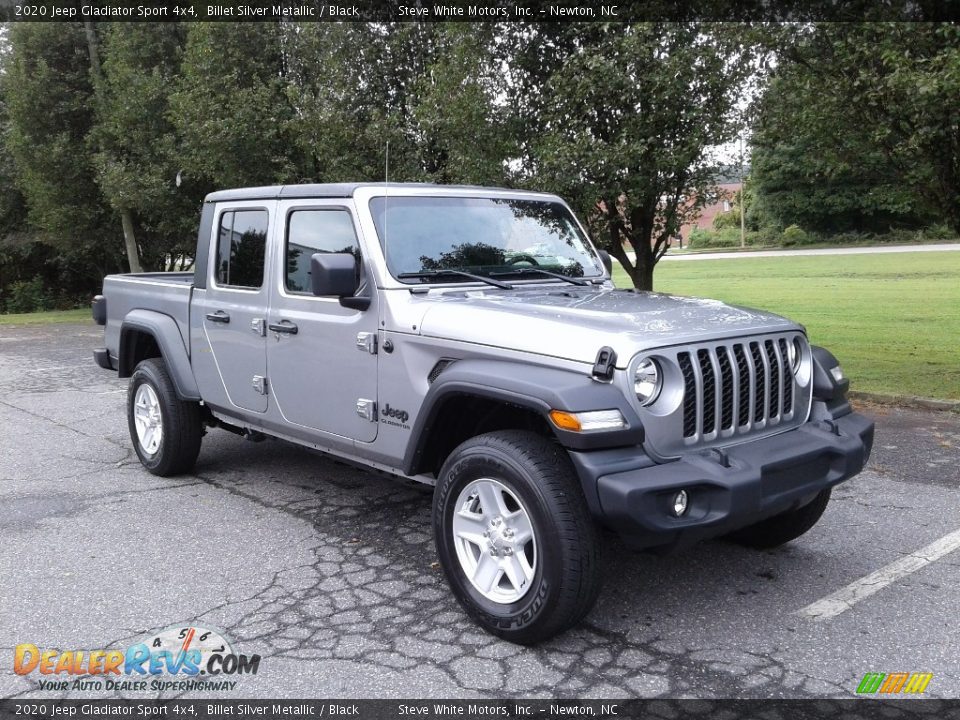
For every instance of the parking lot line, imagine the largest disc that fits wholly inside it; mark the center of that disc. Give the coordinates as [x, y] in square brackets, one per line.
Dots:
[846, 597]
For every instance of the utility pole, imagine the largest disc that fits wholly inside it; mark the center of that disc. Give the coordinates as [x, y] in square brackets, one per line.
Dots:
[743, 198]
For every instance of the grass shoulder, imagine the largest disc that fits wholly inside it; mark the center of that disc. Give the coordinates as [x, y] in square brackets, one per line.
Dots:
[50, 317]
[891, 319]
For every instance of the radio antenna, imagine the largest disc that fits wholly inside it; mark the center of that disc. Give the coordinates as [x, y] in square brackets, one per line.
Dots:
[386, 189]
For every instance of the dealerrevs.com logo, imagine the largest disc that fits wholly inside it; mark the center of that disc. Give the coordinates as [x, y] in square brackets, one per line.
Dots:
[178, 658]
[894, 683]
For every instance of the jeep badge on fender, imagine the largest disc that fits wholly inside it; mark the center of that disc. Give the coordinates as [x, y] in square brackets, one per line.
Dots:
[541, 402]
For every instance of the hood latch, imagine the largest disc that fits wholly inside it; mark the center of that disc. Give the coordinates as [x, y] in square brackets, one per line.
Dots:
[605, 364]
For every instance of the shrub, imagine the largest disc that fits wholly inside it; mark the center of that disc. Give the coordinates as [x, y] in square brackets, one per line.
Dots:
[938, 232]
[702, 238]
[730, 219]
[794, 235]
[28, 296]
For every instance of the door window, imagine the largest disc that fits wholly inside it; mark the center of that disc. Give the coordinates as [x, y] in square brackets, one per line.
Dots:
[316, 231]
[241, 248]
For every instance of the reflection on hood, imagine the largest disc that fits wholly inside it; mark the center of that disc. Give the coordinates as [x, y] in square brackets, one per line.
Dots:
[575, 323]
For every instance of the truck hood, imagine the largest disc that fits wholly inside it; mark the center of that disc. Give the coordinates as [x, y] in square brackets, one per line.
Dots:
[573, 323]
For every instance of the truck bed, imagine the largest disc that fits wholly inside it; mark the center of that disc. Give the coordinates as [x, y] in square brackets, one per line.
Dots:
[164, 292]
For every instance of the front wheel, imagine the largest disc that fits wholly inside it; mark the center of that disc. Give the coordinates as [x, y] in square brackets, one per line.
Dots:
[782, 528]
[166, 431]
[514, 535]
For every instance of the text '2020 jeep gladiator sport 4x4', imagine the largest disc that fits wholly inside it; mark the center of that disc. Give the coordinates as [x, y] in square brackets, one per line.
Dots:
[472, 338]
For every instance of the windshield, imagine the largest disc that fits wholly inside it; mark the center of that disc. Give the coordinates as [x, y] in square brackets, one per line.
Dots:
[482, 236]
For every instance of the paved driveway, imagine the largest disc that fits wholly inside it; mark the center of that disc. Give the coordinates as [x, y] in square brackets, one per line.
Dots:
[330, 574]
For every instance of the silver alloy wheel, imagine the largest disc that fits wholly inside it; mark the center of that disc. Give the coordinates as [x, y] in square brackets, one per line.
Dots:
[148, 419]
[495, 541]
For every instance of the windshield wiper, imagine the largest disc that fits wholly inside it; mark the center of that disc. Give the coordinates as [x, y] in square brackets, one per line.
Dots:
[424, 274]
[538, 271]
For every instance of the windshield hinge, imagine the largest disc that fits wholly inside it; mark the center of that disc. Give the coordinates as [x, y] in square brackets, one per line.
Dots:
[605, 364]
[367, 341]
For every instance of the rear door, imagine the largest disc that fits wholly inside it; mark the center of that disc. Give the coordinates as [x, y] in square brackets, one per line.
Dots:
[233, 308]
[321, 356]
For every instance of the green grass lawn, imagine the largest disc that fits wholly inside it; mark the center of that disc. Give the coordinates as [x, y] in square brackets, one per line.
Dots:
[892, 320]
[81, 315]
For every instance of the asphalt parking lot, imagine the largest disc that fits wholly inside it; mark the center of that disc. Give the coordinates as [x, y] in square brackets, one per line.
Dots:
[329, 572]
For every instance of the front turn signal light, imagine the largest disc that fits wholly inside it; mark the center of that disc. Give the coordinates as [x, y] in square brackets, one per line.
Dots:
[591, 421]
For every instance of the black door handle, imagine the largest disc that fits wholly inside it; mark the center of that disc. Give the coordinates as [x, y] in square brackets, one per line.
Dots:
[284, 326]
[219, 316]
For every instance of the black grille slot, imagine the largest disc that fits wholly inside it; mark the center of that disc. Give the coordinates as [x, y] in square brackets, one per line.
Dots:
[439, 368]
[774, 408]
[743, 369]
[726, 384]
[689, 395]
[709, 391]
[787, 379]
[761, 375]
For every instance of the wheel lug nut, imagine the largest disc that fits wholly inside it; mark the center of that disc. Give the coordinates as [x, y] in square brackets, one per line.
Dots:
[493, 552]
[508, 551]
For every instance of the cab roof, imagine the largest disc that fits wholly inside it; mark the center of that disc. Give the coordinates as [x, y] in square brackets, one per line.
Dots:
[332, 190]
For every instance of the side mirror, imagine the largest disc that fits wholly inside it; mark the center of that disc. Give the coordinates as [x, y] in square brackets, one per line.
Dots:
[606, 260]
[333, 274]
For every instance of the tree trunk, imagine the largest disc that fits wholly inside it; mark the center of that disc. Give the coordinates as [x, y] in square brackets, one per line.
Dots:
[642, 274]
[133, 256]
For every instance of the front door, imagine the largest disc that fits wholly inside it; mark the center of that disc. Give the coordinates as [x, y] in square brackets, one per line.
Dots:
[321, 356]
[233, 307]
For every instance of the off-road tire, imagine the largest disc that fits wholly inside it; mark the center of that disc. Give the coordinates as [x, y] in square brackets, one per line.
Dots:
[182, 422]
[781, 529]
[567, 576]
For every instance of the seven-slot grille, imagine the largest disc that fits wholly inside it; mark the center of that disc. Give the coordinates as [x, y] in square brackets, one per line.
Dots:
[736, 387]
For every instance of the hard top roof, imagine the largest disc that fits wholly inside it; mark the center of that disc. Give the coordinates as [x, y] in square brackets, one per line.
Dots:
[333, 190]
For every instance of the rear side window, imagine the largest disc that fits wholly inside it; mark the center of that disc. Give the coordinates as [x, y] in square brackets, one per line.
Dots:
[316, 231]
[241, 247]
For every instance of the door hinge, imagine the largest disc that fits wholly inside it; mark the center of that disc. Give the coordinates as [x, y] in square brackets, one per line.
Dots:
[260, 384]
[367, 341]
[259, 326]
[367, 409]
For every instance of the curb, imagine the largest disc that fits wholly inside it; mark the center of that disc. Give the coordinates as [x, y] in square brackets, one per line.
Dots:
[906, 401]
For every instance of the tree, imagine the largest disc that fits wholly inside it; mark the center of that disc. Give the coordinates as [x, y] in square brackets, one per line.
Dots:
[857, 129]
[620, 120]
[48, 94]
[430, 90]
[137, 157]
[231, 107]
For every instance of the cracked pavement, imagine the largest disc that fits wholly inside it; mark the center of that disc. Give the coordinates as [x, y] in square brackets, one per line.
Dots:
[329, 572]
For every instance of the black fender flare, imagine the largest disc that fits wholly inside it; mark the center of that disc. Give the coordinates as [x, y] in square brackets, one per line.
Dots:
[166, 334]
[825, 387]
[533, 387]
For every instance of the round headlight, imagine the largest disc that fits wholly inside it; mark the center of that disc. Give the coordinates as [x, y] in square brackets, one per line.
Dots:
[795, 353]
[647, 380]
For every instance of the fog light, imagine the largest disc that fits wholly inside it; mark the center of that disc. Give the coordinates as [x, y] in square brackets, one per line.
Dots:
[680, 503]
[837, 373]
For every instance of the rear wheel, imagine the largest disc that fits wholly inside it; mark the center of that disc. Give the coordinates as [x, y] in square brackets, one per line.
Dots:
[782, 528]
[515, 538]
[166, 431]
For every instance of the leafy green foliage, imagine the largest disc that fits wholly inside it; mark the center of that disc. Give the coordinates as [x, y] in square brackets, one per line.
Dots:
[230, 109]
[428, 90]
[47, 91]
[625, 115]
[857, 130]
[137, 156]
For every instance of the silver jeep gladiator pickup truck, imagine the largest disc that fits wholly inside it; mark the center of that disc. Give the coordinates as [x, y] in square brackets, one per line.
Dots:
[471, 338]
